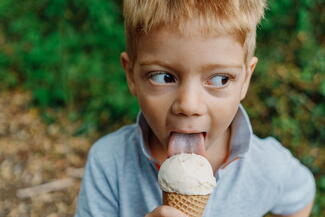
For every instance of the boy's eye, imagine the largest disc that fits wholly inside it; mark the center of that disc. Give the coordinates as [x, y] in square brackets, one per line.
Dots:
[162, 77]
[219, 80]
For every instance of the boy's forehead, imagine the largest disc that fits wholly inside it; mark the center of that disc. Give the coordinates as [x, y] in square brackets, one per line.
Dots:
[163, 44]
[189, 28]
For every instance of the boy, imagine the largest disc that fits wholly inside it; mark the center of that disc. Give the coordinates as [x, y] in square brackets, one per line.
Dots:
[189, 63]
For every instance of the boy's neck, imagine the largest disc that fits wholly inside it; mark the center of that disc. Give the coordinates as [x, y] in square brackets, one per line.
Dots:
[156, 149]
[217, 154]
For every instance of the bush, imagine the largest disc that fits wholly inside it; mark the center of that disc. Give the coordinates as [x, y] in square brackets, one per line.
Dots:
[67, 54]
[286, 97]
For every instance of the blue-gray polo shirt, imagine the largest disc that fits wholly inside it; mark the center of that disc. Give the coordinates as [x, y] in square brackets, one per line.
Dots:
[260, 176]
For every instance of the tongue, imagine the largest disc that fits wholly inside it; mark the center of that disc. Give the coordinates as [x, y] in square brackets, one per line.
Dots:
[186, 143]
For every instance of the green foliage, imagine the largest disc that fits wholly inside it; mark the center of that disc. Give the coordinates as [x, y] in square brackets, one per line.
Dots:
[67, 54]
[286, 97]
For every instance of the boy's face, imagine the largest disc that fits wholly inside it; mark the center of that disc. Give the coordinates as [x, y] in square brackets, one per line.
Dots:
[188, 84]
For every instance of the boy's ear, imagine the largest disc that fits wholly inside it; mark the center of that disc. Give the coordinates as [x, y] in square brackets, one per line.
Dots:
[127, 66]
[249, 71]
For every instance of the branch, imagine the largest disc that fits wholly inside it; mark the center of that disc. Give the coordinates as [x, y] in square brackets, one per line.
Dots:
[56, 185]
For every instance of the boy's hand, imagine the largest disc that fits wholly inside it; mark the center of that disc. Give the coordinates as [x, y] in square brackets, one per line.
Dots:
[166, 211]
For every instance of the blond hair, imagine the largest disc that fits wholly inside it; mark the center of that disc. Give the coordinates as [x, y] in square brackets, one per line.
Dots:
[236, 17]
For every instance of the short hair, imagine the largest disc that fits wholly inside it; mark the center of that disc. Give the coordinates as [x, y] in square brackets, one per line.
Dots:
[236, 17]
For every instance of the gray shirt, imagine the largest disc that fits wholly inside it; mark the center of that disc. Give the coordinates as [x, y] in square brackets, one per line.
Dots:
[260, 176]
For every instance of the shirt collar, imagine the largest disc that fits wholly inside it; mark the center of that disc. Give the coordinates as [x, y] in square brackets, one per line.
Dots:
[241, 134]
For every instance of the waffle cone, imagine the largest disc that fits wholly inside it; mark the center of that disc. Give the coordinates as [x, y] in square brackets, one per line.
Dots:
[191, 205]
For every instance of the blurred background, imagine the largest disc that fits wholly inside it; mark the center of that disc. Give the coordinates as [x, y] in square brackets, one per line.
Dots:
[62, 87]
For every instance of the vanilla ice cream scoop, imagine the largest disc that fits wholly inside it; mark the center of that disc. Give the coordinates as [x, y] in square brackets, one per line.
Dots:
[188, 174]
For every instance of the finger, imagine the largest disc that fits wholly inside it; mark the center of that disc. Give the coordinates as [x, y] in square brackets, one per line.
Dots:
[166, 211]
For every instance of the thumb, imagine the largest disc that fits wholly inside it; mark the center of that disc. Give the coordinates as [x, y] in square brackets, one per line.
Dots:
[166, 211]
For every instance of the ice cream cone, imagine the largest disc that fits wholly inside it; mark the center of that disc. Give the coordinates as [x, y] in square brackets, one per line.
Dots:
[191, 205]
[187, 181]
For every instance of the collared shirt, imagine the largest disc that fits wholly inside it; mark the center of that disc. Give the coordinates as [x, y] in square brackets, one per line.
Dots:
[260, 176]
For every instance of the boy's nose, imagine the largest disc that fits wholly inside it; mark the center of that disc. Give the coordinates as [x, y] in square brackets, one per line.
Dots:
[189, 102]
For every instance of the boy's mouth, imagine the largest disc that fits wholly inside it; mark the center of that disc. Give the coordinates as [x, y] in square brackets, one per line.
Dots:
[186, 143]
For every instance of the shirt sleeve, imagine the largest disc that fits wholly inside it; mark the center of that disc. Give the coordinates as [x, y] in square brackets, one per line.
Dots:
[297, 184]
[97, 197]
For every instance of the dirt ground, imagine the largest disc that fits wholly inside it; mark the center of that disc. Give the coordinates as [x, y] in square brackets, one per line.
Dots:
[25, 144]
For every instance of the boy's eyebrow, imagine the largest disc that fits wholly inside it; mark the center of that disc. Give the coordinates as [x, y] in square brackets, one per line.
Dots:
[208, 67]
[154, 62]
